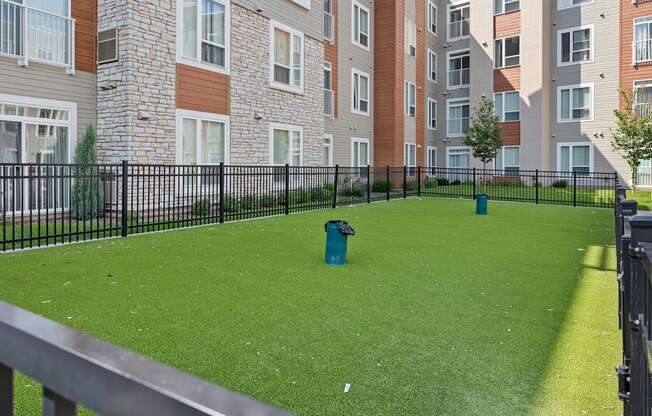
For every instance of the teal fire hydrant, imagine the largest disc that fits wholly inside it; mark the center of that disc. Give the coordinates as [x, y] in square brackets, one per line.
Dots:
[481, 202]
[337, 234]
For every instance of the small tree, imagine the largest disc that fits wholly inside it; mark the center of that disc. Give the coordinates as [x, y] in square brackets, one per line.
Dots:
[484, 135]
[87, 199]
[633, 138]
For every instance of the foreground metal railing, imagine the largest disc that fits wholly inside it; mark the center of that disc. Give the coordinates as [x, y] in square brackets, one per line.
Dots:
[75, 368]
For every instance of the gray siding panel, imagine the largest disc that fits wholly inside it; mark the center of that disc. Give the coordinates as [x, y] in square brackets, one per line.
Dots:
[310, 22]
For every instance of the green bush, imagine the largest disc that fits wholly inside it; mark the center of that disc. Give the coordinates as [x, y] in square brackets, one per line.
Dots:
[87, 196]
[560, 184]
[456, 182]
[231, 204]
[353, 189]
[411, 184]
[429, 183]
[329, 187]
[201, 208]
[381, 185]
[267, 201]
[443, 182]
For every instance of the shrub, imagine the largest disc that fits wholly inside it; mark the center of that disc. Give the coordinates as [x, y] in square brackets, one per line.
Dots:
[353, 189]
[329, 187]
[381, 185]
[429, 183]
[411, 184]
[560, 184]
[456, 182]
[267, 201]
[443, 182]
[88, 199]
[230, 204]
[201, 208]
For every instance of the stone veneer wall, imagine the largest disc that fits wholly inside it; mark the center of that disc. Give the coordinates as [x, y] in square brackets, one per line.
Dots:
[136, 95]
[252, 96]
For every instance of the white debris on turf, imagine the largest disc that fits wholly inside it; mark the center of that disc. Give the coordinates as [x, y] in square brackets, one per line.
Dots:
[347, 387]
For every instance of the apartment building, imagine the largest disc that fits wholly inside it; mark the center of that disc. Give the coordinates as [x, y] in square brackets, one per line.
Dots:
[318, 82]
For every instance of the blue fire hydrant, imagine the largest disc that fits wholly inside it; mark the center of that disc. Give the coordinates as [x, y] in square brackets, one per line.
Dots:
[481, 202]
[337, 234]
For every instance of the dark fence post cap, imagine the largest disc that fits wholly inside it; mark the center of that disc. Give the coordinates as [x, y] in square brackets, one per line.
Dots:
[641, 221]
[629, 204]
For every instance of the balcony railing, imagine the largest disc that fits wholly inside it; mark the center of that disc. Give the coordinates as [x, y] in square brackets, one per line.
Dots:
[30, 34]
[643, 109]
[642, 51]
[329, 103]
[329, 27]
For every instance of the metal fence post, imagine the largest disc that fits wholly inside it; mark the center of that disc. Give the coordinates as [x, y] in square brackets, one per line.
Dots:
[574, 188]
[474, 185]
[287, 189]
[6, 391]
[368, 184]
[388, 183]
[337, 173]
[419, 180]
[125, 195]
[57, 405]
[536, 185]
[404, 181]
[221, 197]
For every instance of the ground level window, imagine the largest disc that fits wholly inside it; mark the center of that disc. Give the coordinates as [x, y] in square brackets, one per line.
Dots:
[359, 152]
[432, 157]
[575, 157]
[458, 158]
[286, 145]
[410, 155]
[508, 160]
[328, 150]
[202, 138]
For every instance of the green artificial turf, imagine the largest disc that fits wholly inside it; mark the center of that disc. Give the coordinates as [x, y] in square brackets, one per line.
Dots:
[439, 311]
[644, 199]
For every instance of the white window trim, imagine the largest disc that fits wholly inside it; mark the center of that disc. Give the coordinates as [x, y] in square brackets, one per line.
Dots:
[199, 117]
[502, 157]
[574, 144]
[572, 6]
[429, 4]
[571, 30]
[410, 30]
[290, 128]
[448, 69]
[634, 41]
[71, 123]
[432, 53]
[330, 148]
[369, 25]
[277, 85]
[502, 113]
[406, 99]
[406, 147]
[571, 87]
[227, 40]
[448, 152]
[502, 40]
[448, 21]
[303, 3]
[448, 104]
[369, 94]
[360, 140]
[504, 12]
[428, 114]
[429, 162]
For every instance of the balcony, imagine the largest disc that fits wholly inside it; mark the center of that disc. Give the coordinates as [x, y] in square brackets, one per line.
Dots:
[642, 51]
[329, 27]
[643, 110]
[30, 34]
[329, 103]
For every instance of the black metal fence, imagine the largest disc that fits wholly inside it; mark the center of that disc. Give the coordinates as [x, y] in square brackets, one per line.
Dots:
[634, 268]
[75, 368]
[44, 205]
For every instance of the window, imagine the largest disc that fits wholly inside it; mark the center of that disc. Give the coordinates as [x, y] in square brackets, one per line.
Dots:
[203, 27]
[575, 157]
[507, 52]
[432, 17]
[285, 145]
[410, 155]
[457, 114]
[642, 39]
[459, 69]
[360, 25]
[107, 46]
[410, 99]
[359, 152]
[643, 98]
[329, 21]
[458, 21]
[432, 157]
[432, 66]
[508, 106]
[202, 139]
[458, 157]
[508, 160]
[328, 150]
[410, 38]
[360, 92]
[575, 103]
[575, 45]
[286, 71]
[432, 113]
[506, 6]
[567, 4]
[329, 94]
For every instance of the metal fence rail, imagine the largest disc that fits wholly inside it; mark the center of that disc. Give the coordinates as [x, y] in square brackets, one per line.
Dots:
[42, 205]
[75, 368]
